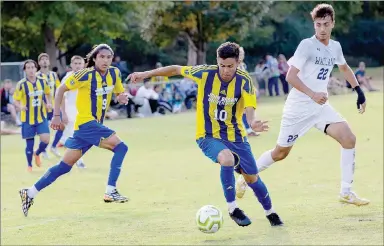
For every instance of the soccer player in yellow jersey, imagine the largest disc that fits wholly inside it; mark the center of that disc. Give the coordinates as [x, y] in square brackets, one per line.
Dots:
[28, 97]
[54, 83]
[95, 85]
[223, 93]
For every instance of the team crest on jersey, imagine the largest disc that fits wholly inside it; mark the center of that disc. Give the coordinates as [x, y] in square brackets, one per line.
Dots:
[72, 82]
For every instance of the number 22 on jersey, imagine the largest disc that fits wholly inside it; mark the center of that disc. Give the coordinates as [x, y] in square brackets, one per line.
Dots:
[322, 74]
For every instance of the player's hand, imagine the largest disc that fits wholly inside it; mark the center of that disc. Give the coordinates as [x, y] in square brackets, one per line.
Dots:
[56, 123]
[64, 118]
[137, 76]
[123, 98]
[259, 126]
[23, 108]
[48, 105]
[320, 97]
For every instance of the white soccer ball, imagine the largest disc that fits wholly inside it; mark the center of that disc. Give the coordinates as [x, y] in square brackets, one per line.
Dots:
[209, 219]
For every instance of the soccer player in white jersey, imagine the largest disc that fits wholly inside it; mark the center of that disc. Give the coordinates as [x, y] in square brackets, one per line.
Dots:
[307, 103]
[77, 63]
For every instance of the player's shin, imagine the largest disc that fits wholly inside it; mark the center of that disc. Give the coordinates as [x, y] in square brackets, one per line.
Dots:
[228, 183]
[261, 192]
[347, 165]
[49, 177]
[42, 147]
[57, 138]
[120, 151]
[29, 150]
[264, 161]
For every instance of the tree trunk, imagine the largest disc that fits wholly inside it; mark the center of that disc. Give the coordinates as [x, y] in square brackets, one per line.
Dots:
[50, 47]
[201, 53]
[192, 52]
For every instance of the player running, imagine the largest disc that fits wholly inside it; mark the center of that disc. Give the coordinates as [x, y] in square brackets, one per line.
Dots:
[95, 86]
[307, 104]
[223, 93]
[28, 98]
[77, 63]
[54, 83]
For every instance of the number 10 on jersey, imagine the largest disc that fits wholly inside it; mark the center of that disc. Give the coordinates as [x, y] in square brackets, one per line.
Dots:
[220, 115]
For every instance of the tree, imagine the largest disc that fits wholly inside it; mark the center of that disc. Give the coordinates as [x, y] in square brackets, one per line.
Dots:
[60, 27]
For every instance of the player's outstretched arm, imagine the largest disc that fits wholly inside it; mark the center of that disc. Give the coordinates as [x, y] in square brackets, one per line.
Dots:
[350, 77]
[55, 124]
[167, 71]
[295, 81]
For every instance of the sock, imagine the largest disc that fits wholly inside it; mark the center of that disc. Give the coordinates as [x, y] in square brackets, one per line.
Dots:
[261, 193]
[42, 147]
[29, 150]
[117, 160]
[264, 161]
[57, 138]
[246, 125]
[228, 183]
[232, 206]
[32, 192]
[347, 165]
[52, 174]
[109, 189]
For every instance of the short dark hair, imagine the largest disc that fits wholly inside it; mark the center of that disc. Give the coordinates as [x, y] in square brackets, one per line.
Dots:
[323, 10]
[228, 50]
[30, 61]
[95, 50]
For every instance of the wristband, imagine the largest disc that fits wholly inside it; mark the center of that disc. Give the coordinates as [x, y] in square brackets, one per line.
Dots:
[360, 96]
[57, 115]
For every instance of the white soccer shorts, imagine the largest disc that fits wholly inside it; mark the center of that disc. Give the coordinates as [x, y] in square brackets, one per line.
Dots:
[290, 130]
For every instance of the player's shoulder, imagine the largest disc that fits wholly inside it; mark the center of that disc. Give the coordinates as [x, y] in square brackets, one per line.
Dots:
[114, 69]
[204, 67]
[21, 82]
[243, 74]
[83, 74]
[334, 43]
[308, 41]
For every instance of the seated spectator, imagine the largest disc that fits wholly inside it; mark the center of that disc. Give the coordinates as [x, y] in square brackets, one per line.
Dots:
[188, 90]
[6, 101]
[7, 131]
[362, 78]
[147, 98]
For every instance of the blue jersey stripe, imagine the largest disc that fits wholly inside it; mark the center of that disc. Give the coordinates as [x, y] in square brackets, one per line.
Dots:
[220, 108]
[26, 91]
[238, 137]
[104, 106]
[93, 95]
[113, 75]
[41, 107]
[207, 91]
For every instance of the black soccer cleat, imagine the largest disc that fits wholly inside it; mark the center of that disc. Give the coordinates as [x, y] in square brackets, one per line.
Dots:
[114, 196]
[275, 220]
[240, 218]
[26, 201]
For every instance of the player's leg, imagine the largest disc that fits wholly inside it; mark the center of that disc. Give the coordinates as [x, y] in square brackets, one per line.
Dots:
[341, 132]
[58, 135]
[67, 133]
[42, 130]
[28, 133]
[218, 152]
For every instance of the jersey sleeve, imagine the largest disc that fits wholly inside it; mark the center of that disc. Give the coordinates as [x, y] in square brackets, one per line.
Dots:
[194, 73]
[249, 93]
[119, 88]
[340, 60]
[77, 80]
[301, 55]
[19, 92]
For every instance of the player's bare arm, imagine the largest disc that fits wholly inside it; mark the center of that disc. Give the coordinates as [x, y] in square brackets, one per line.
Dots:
[167, 71]
[350, 77]
[55, 124]
[295, 81]
[256, 125]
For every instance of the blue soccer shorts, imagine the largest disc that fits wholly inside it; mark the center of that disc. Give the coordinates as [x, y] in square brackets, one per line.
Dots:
[89, 134]
[242, 152]
[30, 131]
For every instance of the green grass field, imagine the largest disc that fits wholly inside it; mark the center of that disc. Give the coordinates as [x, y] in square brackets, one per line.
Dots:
[168, 179]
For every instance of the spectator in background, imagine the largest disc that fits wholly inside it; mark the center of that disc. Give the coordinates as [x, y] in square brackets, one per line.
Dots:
[363, 79]
[148, 99]
[7, 131]
[273, 74]
[283, 69]
[7, 106]
[188, 89]
[122, 66]
[260, 72]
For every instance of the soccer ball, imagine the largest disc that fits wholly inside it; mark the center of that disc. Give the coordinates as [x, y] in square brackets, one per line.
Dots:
[209, 219]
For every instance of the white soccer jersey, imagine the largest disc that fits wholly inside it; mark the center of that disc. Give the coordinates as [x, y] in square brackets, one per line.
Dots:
[70, 101]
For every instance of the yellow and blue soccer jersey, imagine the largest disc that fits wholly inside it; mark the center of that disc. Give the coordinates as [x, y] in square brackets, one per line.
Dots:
[31, 95]
[94, 93]
[53, 82]
[220, 105]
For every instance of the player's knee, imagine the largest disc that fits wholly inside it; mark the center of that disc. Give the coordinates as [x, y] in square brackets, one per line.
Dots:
[121, 148]
[349, 141]
[226, 158]
[280, 154]
[250, 179]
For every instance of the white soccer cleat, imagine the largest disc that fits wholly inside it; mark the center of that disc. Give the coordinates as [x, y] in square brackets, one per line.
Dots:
[55, 152]
[352, 198]
[45, 155]
[241, 186]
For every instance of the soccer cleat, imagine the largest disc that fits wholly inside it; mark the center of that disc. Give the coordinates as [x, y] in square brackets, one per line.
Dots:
[29, 169]
[241, 187]
[37, 160]
[114, 196]
[352, 198]
[80, 164]
[274, 219]
[55, 152]
[239, 217]
[45, 155]
[59, 145]
[26, 201]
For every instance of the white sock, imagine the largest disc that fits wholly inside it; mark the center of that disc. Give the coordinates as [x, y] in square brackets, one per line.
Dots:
[32, 192]
[270, 211]
[347, 164]
[264, 161]
[232, 206]
[109, 189]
